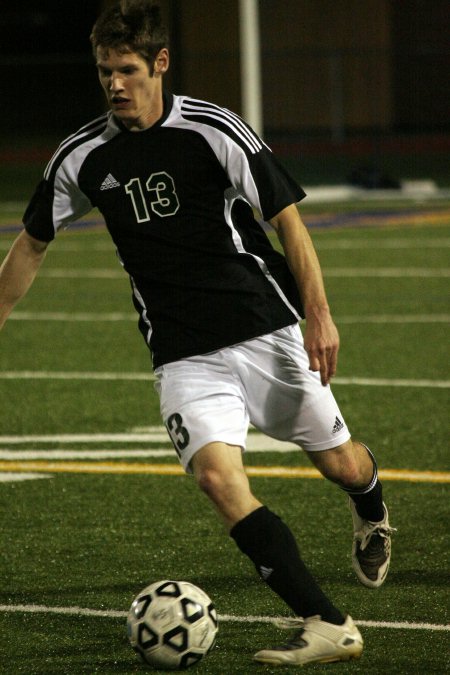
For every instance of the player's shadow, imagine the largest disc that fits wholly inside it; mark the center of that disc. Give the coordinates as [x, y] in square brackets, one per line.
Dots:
[234, 582]
[418, 577]
[399, 578]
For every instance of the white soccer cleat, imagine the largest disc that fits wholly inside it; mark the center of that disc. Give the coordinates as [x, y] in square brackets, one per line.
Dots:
[371, 550]
[316, 642]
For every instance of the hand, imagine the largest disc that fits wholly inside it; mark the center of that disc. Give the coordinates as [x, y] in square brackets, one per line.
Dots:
[322, 346]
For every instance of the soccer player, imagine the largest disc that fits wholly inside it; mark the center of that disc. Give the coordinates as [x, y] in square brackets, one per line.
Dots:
[178, 181]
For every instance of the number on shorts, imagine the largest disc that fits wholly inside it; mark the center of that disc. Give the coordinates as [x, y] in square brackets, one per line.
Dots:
[177, 432]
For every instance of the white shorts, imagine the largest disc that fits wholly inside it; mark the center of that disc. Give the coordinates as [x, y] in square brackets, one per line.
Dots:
[265, 381]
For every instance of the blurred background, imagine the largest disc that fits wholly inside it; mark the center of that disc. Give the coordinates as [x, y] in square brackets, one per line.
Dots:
[352, 91]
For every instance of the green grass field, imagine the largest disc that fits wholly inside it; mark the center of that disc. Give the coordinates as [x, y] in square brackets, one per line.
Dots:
[102, 517]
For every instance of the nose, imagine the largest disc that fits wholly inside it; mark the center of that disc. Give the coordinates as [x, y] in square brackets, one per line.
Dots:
[115, 84]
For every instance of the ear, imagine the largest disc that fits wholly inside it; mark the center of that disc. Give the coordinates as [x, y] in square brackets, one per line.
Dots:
[162, 61]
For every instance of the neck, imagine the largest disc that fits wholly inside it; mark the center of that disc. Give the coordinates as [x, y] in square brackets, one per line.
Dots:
[147, 118]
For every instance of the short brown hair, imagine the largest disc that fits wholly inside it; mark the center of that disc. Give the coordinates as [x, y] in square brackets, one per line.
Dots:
[131, 25]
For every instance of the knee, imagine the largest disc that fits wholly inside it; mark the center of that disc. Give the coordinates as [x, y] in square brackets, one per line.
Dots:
[229, 492]
[343, 471]
[210, 481]
[350, 475]
[349, 465]
[221, 486]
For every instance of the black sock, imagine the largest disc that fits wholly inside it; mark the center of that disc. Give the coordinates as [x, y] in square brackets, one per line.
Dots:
[271, 546]
[369, 500]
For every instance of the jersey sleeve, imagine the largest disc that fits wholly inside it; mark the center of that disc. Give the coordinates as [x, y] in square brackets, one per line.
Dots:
[253, 170]
[275, 187]
[58, 199]
[260, 178]
[56, 203]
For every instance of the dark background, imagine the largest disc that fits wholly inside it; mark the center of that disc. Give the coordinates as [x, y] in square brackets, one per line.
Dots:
[339, 76]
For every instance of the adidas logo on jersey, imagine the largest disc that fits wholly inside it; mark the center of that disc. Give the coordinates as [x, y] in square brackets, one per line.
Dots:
[338, 425]
[109, 182]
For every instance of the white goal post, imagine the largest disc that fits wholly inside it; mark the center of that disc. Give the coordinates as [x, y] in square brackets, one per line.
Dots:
[250, 60]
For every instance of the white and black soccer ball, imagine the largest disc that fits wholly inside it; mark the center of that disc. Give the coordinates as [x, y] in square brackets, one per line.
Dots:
[172, 624]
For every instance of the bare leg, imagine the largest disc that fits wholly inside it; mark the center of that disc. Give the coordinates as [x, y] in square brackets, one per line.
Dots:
[258, 532]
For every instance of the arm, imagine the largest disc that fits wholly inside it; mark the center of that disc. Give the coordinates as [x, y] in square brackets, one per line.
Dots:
[321, 335]
[18, 271]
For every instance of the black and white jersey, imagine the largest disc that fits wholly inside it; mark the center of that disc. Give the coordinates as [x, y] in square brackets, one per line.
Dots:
[178, 201]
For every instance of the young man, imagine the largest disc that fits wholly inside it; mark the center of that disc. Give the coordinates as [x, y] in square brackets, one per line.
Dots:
[176, 180]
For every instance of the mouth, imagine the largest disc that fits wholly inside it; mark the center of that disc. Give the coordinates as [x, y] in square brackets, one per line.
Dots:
[120, 101]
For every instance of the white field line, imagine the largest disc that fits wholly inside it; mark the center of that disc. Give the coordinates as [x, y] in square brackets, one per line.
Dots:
[149, 377]
[88, 273]
[376, 243]
[65, 246]
[58, 375]
[389, 272]
[10, 477]
[120, 614]
[132, 316]
[8, 454]
[158, 434]
[74, 316]
[393, 318]
[107, 453]
[342, 244]
[391, 382]
[255, 443]
[386, 272]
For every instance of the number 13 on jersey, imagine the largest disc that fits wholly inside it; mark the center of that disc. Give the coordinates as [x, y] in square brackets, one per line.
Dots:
[162, 197]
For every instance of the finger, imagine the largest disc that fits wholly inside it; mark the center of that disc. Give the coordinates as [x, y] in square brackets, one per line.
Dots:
[332, 363]
[324, 370]
[314, 362]
[319, 363]
[328, 365]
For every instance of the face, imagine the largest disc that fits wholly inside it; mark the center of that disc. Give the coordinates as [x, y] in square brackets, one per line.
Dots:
[135, 96]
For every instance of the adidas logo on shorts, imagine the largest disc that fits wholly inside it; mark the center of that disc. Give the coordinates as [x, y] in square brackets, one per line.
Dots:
[338, 425]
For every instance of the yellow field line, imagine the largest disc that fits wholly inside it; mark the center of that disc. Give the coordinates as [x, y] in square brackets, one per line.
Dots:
[176, 470]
